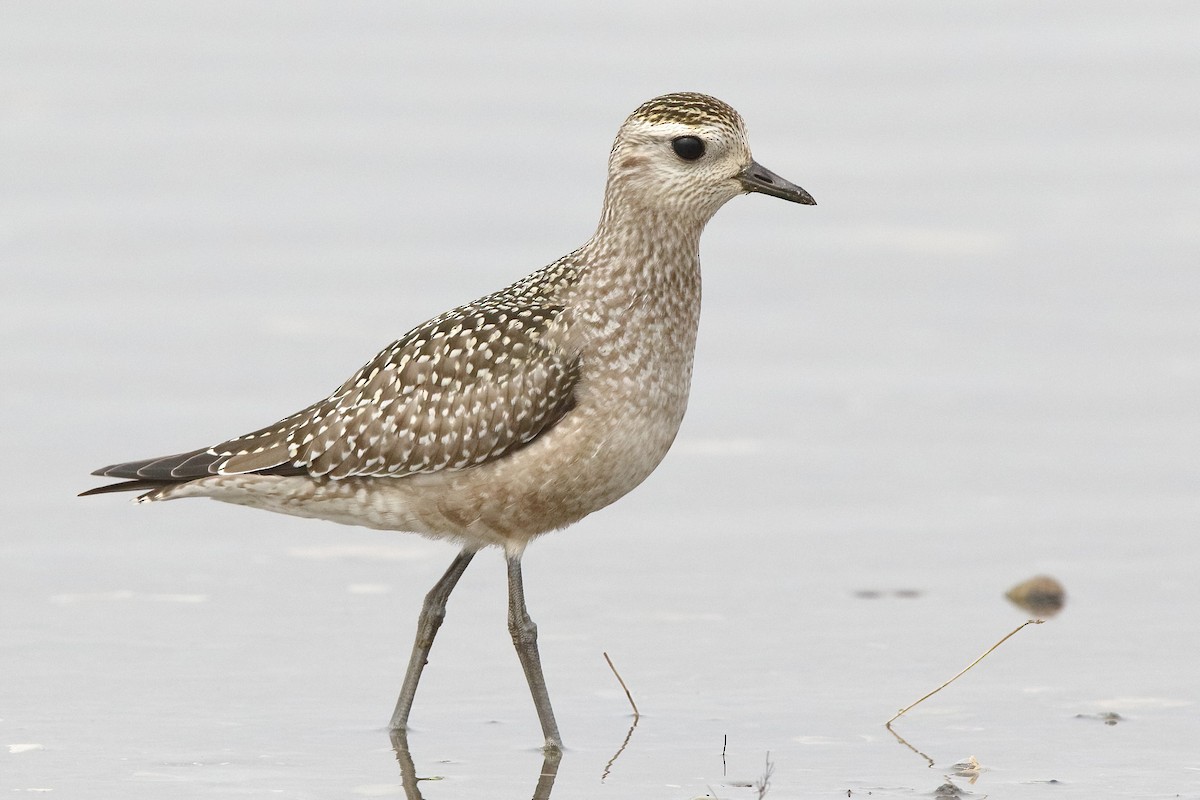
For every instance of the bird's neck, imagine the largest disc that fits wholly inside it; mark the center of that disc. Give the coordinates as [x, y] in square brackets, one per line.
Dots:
[631, 218]
[638, 294]
[649, 247]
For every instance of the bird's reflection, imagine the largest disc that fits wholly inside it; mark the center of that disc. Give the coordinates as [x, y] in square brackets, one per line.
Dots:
[410, 782]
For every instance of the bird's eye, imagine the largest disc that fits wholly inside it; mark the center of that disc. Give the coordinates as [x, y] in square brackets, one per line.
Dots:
[689, 148]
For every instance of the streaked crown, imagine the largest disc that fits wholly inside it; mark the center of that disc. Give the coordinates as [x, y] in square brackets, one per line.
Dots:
[688, 108]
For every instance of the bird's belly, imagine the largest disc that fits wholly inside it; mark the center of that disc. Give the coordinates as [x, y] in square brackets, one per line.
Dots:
[587, 461]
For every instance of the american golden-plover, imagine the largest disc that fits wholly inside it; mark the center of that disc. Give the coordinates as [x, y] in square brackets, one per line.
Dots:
[523, 411]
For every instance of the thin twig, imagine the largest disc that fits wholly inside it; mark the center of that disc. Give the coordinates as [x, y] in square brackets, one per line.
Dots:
[764, 783]
[636, 715]
[903, 711]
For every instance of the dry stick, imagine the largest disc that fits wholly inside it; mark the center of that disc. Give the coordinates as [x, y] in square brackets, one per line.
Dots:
[764, 783]
[903, 711]
[636, 715]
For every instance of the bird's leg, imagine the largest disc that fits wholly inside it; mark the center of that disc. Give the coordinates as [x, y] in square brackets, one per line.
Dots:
[524, 636]
[432, 613]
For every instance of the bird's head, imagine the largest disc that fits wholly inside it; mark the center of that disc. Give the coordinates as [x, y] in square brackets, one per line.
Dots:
[687, 153]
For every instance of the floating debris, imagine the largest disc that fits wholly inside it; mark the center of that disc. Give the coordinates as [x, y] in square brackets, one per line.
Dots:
[948, 791]
[1041, 595]
[968, 768]
[875, 594]
[1107, 717]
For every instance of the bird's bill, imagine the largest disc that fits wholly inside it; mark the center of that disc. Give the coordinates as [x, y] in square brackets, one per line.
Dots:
[757, 178]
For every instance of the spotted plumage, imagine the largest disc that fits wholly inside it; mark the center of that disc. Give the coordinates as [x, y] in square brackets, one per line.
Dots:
[457, 391]
[525, 410]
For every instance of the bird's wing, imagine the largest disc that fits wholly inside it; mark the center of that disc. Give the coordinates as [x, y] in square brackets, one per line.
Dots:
[460, 390]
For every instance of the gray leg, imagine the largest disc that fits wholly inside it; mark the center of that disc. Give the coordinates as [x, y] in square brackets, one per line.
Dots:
[524, 636]
[432, 614]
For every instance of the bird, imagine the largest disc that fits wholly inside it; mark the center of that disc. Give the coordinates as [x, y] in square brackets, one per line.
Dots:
[519, 413]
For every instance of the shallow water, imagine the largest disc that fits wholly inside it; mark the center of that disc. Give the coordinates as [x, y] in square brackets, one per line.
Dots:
[976, 360]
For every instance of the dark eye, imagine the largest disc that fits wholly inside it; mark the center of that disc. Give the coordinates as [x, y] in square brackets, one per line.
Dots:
[689, 148]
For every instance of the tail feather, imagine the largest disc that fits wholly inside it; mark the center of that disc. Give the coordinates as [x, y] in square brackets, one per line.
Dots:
[124, 486]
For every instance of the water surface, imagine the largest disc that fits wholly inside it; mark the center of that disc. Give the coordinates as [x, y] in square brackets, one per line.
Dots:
[975, 361]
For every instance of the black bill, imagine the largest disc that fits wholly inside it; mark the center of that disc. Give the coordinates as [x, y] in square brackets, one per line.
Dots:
[757, 178]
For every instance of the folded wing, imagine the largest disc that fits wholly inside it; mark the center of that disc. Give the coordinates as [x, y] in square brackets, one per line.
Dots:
[458, 391]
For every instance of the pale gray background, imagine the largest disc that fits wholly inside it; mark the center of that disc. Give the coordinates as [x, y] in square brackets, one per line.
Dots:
[976, 360]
